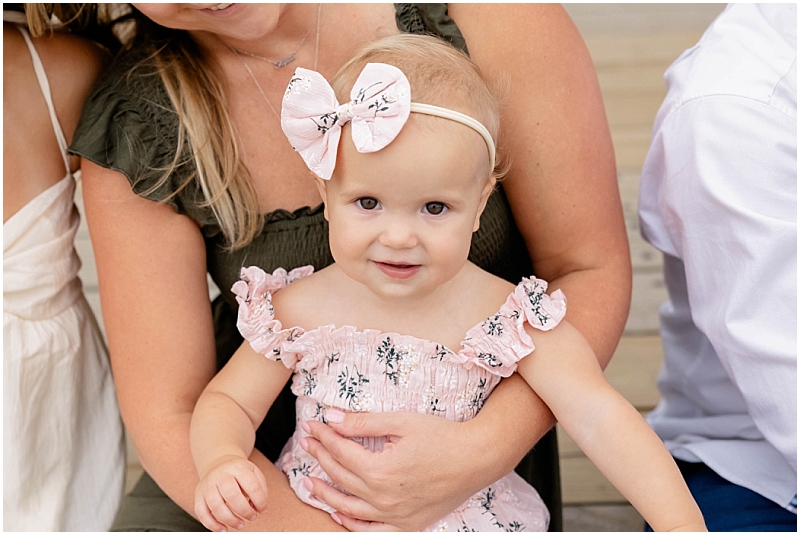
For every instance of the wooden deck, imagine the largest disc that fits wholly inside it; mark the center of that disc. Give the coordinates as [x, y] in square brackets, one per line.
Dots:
[631, 45]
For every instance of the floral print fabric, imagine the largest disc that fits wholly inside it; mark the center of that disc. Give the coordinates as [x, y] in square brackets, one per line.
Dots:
[373, 371]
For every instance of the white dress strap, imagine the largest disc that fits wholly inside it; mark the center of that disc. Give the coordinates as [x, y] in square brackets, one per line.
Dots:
[44, 84]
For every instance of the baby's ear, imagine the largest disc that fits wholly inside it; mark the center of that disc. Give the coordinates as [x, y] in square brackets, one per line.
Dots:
[487, 190]
[322, 186]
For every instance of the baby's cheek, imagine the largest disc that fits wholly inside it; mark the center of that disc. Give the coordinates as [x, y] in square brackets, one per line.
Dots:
[452, 250]
[346, 241]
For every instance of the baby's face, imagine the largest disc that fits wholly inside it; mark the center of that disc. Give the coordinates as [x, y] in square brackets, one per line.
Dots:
[401, 219]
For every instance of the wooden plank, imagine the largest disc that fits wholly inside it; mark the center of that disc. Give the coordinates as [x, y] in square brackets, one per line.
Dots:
[644, 257]
[643, 19]
[602, 518]
[636, 110]
[634, 368]
[623, 79]
[639, 49]
[631, 144]
[651, 293]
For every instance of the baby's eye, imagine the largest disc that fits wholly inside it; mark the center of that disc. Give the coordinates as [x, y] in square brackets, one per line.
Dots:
[435, 208]
[367, 203]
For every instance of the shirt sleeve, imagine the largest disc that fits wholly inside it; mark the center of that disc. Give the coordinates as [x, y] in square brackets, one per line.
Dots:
[128, 125]
[728, 201]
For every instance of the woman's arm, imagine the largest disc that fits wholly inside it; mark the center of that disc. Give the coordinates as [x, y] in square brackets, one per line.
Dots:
[563, 191]
[151, 267]
[565, 372]
[562, 185]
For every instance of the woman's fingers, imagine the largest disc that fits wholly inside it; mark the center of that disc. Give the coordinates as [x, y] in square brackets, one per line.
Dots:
[351, 506]
[353, 524]
[410, 483]
[361, 424]
[333, 452]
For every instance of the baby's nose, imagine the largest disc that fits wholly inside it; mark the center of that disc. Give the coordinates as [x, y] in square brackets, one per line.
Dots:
[399, 234]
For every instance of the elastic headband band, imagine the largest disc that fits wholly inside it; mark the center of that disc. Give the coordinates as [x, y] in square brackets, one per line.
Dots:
[457, 116]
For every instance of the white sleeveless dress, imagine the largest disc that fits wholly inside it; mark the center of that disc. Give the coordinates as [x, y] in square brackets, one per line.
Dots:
[63, 449]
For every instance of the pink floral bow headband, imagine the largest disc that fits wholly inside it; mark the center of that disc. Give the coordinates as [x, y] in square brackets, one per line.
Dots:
[312, 118]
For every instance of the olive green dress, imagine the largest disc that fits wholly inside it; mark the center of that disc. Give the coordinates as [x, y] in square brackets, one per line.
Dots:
[129, 125]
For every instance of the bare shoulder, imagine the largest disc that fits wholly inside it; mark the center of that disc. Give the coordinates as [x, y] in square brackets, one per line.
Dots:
[72, 64]
[497, 286]
[489, 290]
[72, 56]
[304, 303]
[500, 36]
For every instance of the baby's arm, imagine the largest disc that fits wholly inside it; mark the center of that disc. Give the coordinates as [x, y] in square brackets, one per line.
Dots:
[222, 436]
[565, 374]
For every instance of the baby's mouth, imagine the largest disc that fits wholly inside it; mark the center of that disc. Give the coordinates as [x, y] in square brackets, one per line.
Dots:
[397, 270]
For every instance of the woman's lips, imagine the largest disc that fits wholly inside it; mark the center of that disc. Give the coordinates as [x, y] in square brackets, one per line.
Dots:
[223, 9]
[398, 271]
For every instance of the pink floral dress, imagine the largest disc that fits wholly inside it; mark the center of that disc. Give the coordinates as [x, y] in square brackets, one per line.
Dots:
[373, 371]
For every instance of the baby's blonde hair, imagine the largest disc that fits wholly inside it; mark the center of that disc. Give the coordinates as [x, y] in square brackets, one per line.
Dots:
[438, 73]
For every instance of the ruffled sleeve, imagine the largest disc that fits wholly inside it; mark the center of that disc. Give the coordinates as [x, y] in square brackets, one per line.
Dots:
[500, 342]
[256, 319]
[128, 125]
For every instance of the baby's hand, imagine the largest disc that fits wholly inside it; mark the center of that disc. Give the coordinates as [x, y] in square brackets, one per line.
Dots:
[231, 491]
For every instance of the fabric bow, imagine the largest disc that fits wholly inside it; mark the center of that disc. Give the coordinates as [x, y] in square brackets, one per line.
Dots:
[312, 118]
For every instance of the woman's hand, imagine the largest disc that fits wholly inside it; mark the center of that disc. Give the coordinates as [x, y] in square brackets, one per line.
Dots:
[419, 476]
[232, 491]
[416, 479]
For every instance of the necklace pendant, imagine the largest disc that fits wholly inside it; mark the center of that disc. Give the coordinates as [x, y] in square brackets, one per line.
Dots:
[285, 61]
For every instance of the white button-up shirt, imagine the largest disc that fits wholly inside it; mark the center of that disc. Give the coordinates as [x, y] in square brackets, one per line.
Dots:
[719, 197]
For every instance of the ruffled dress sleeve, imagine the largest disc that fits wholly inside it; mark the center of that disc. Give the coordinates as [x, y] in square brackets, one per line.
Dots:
[256, 319]
[501, 341]
[128, 124]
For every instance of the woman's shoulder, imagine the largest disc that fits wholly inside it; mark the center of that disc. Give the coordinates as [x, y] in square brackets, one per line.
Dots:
[131, 70]
[514, 43]
[128, 124]
[129, 93]
[504, 22]
[129, 99]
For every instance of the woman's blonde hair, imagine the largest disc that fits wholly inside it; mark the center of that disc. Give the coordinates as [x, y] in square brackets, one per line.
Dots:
[200, 100]
[438, 73]
[102, 23]
[199, 97]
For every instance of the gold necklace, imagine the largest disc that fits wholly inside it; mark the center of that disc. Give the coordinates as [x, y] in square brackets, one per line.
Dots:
[285, 61]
